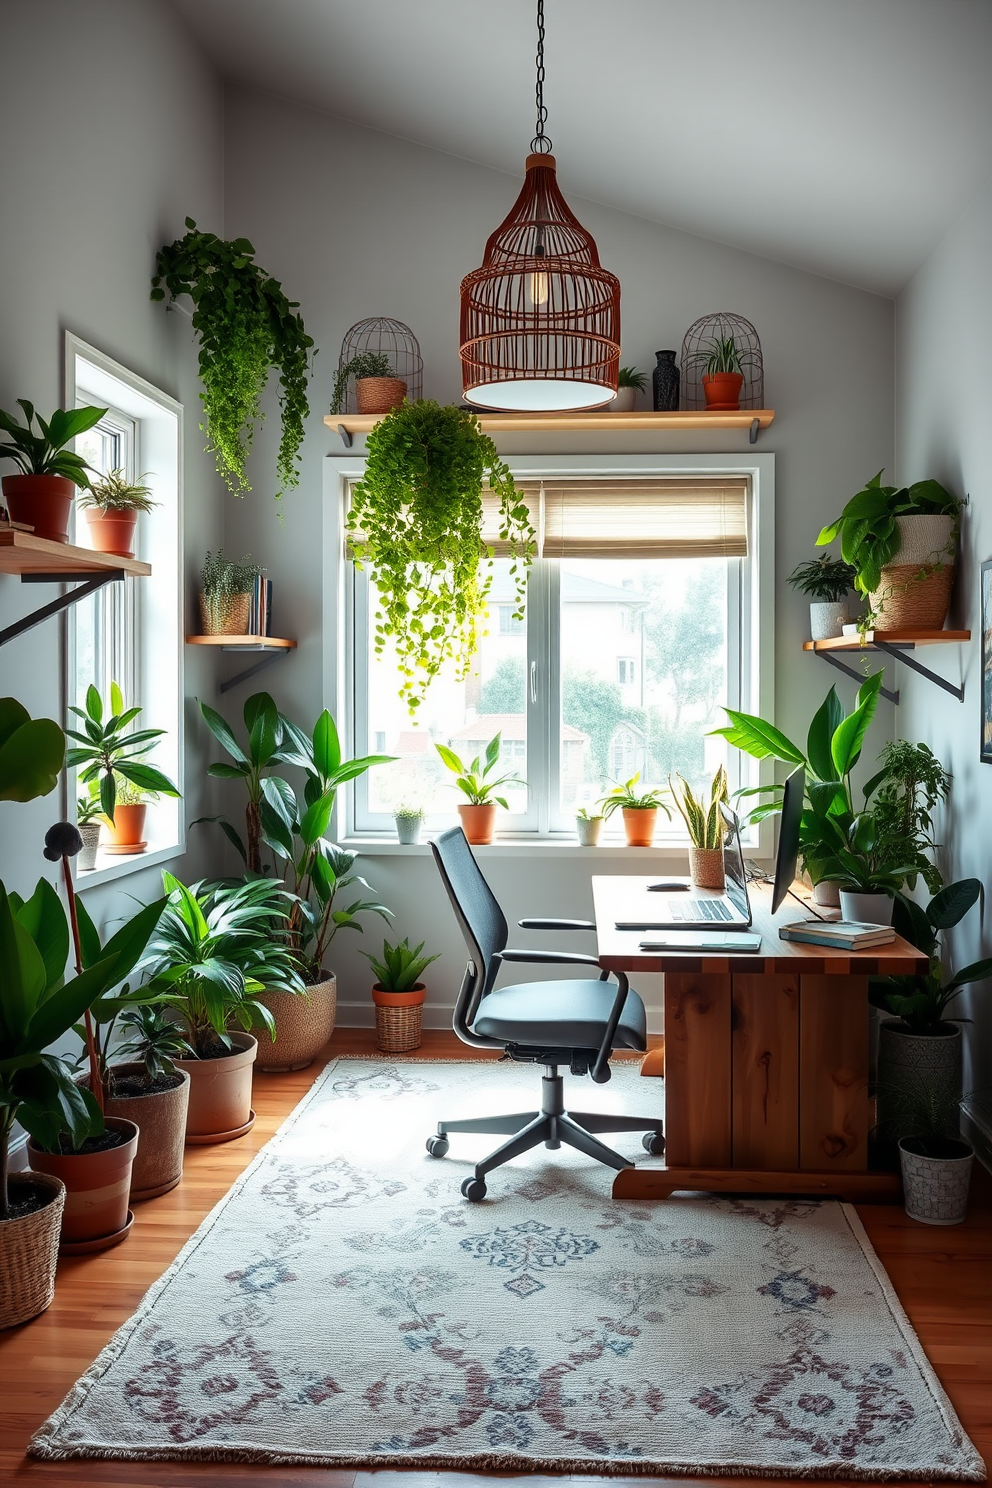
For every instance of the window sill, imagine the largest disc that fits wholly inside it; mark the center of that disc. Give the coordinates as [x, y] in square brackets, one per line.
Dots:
[110, 868]
[522, 847]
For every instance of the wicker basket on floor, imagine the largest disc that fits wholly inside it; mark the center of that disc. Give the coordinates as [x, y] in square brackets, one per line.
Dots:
[29, 1248]
[398, 1019]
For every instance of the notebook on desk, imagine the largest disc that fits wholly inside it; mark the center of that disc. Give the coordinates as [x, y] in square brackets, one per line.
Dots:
[739, 942]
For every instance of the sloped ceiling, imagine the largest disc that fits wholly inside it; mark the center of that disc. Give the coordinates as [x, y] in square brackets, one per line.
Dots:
[842, 136]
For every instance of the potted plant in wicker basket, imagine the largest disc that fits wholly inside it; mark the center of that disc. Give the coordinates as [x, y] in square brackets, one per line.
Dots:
[40, 495]
[827, 582]
[398, 995]
[640, 809]
[225, 593]
[112, 505]
[902, 542]
[377, 388]
[704, 821]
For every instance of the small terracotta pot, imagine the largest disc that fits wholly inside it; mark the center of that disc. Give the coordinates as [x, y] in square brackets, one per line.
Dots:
[220, 1093]
[304, 1023]
[97, 1187]
[128, 826]
[379, 394]
[42, 502]
[723, 389]
[161, 1121]
[398, 1017]
[29, 1250]
[225, 614]
[478, 822]
[706, 867]
[112, 531]
[639, 826]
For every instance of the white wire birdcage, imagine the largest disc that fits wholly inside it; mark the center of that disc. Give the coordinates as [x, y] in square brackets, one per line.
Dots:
[384, 337]
[698, 346]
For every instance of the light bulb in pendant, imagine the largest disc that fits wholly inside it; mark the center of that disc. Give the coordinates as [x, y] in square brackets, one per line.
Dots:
[539, 281]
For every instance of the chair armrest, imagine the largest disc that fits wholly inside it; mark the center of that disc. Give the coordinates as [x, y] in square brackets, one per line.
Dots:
[556, 924]
[548, 958]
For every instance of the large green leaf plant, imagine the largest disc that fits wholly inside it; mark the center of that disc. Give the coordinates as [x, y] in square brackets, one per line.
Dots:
[921, 1002]
[108, 751]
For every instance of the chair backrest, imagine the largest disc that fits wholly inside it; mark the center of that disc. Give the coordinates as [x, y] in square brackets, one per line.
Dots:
[479, 915]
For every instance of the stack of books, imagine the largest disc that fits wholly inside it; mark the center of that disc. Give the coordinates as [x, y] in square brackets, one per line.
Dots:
[260, 614]
[846, 935]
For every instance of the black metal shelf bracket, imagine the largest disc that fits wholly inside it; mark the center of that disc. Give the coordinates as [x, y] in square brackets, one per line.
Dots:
[842, 666]
[752, 433]
[346, 438]
[899, 650]
[266, 660]
[82, 591]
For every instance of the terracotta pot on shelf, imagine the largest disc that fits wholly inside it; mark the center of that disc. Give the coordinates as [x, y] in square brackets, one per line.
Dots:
[478, 822]
[42, 502]
[379, 394]
[723, 389]
[111, 530]
[160, 1116]
[706, 867]
[398, 1018]
[97, 1185]
[220, 1093]
[225, 614]
[126, 833]
[304, 1023]
[639, 826]
[29, 1249]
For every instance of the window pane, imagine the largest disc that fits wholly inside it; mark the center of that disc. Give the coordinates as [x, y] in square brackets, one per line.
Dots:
[644, 668]
[462, 714]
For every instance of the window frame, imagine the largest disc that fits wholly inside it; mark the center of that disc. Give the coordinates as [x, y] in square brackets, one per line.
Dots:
[346, 617]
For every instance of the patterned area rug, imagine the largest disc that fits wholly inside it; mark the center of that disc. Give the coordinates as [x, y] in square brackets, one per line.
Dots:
[345, 1306]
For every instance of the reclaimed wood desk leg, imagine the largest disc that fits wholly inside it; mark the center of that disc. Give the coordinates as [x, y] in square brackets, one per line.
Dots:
[697, 1070]
[833, 1073]
[766, 1071]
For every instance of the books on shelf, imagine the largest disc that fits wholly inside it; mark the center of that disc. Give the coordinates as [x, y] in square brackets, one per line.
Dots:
[846, 935]
[260, 612]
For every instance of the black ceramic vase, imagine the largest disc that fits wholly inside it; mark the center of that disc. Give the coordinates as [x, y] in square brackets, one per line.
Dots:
[665, 383]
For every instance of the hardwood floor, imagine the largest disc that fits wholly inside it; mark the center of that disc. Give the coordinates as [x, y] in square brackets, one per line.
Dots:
[943, 1278]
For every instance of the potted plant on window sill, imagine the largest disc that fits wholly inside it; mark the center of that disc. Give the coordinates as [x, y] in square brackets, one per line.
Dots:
[409, 820]
[723, 378]
[827, 582]
[630, 382]
[588, 825]
[478, 812]
[40, 496]
[112, 505]
[704, 822]
[225, 594]
[377, 388]
[89, 817]
[106, 752]
[398, 995]
[640, 809]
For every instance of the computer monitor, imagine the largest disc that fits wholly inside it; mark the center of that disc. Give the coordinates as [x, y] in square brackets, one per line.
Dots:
[788, 836]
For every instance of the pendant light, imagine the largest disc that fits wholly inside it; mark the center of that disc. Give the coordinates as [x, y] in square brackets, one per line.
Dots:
[540, 320]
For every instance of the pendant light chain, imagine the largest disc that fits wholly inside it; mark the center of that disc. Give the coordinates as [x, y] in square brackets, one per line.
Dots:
[541, 143]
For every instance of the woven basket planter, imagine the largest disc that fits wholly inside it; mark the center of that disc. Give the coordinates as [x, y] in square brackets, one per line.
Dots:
[379, 394]
[915, 591]
[706, 867]
[398, 1019]
[224, 614]
[304, 1023]
[29, 1250]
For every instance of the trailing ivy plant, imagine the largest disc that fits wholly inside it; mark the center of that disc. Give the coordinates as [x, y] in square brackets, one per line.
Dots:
[246, 325]
[416, 520]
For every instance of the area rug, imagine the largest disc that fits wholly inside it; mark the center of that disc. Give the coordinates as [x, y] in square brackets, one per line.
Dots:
[344, 1306]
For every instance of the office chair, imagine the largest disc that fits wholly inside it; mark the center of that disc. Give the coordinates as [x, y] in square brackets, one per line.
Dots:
[575, 1023]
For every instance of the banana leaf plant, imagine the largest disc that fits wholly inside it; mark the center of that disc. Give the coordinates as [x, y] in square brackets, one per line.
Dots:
[921, 1002]
[105, 750]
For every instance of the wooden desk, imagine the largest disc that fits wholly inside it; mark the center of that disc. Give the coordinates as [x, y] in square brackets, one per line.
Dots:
[766, 1056]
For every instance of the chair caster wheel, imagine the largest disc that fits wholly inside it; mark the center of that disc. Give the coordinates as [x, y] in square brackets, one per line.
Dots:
[473, 1189]
[437, 1146]
[654, 1143]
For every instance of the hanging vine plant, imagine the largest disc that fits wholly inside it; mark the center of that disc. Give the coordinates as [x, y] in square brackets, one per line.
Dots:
[246, 326]
[416, 521]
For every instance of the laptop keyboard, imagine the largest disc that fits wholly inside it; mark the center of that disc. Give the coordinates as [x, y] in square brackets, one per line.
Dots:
[700, 909]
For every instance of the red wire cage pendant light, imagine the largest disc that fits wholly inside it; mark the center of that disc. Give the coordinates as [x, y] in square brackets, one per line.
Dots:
[540, 320]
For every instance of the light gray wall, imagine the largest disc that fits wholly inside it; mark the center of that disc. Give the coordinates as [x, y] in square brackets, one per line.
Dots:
[356, 223]
[943, 329]
[113, 132]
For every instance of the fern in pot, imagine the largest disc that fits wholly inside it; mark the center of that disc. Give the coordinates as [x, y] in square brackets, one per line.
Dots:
[827, 582]
[112, 506]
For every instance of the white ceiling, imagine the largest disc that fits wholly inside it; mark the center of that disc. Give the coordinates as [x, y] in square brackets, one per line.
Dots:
[843, 136]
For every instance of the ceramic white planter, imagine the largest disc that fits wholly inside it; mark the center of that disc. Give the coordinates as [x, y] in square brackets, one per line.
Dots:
[935, 1189]
[827, 619]
[587, 830]
[870, 909]
[826, 894]
[86, 860]
[408, 829]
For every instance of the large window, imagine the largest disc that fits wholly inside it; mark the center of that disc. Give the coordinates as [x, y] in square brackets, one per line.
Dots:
[641, 620]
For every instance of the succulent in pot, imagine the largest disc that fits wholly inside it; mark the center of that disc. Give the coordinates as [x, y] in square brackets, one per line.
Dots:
[226, 588]
[705, 825]
[588, 825]
[409, 820]
[40, 495]
[398, 994]
[377, 388]
[630, 382]
[827, 582]
[724, 377]
[112, 505]
[478, 812]
[640, 806]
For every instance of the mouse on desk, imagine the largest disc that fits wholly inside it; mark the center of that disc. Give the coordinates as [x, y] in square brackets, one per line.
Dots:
[668, 886]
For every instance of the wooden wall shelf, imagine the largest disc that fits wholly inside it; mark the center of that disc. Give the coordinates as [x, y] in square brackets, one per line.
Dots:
[270, 647]
[39, 560]
[895, 643]
[598, 421]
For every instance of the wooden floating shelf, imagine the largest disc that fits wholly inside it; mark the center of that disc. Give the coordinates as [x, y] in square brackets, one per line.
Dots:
[599, 420]
[23, 553]
[242, 642]
[889, 638]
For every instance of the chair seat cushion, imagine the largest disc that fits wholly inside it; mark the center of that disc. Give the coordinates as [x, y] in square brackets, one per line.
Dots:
[569, 1014]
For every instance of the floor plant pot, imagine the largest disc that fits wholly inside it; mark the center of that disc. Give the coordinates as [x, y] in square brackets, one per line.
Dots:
[587, 829]
[408, 829]
[42, 502]
[126, 833]
[479, 822]
[225, 614]
[112, 531]
[379, 394]
[936, 1177]
[915, 589]
[304, 1023]
[220, 1093]
[869, 909]
[97, 1186]
[723, 389]
[638, 826]
[908, 1062]
[160, 1116]
[29, 1249]
[398, 1018]
[826, 894]
[827, 618]
[706, 867]
[90, 833]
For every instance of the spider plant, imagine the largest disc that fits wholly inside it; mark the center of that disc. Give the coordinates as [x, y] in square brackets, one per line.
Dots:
[114, 492]
[723, 357]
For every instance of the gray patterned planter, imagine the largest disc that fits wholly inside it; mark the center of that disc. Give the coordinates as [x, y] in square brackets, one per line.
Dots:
[827, 618]
[909, 1063]
[935, 1189]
